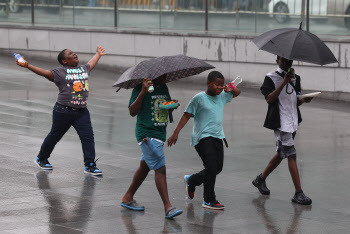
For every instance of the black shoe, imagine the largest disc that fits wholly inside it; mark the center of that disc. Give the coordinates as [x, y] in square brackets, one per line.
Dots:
[43, 164]
[189, 190]
[259, 182]
[215, 205]
[301, 198]
[92, 169]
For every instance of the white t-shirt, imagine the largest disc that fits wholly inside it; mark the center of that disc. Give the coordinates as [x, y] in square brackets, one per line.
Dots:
[287, 103]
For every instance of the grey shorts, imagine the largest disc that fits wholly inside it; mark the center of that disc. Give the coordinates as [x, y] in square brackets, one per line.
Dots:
[285, 143]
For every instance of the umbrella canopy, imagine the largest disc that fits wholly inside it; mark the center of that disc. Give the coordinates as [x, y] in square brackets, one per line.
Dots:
[295, 44]
[175, 67]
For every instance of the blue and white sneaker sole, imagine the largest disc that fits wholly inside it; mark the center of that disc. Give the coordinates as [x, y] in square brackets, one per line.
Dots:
[176, 213]
[212, 208]
[92, 173]
[43, 168]
[186, 188]
[132, 207]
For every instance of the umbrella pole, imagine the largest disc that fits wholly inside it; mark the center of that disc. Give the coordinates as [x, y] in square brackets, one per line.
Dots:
[170, 116]
[307, 15]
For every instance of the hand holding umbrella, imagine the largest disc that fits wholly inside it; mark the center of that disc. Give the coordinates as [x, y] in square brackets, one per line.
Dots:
[295, 44]
[146, 84]
[166, 68]
[172, 67]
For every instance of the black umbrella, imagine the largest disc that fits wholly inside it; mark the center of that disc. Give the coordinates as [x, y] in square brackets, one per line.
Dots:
[175, 67]
[295, 44]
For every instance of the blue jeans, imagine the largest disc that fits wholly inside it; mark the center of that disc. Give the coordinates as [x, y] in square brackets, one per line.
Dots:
[63, 117]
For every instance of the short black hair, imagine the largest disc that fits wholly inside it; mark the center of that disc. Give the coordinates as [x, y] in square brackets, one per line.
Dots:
[213, 75]
[280, 57]
[60, 57]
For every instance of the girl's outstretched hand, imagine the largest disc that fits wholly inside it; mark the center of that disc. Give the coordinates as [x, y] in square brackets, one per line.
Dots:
[100, 50]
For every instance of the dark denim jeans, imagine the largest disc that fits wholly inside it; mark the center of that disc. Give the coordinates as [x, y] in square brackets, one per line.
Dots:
[63, 118]
[211, 151]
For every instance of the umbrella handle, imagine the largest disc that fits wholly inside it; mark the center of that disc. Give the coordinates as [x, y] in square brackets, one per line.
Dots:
[170, 116]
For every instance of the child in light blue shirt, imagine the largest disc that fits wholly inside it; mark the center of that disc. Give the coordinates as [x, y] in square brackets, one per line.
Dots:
[207, 112]
[207, 109]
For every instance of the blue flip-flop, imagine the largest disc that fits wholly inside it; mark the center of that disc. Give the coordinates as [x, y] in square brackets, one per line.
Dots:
[132, 206]
[172, 212]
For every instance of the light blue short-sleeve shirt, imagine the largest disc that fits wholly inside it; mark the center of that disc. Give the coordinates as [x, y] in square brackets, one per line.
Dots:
[207, 112]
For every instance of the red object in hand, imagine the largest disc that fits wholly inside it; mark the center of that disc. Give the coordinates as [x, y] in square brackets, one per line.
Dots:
[231, 85]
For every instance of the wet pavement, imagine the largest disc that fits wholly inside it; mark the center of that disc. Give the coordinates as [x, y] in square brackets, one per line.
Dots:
[67, 201]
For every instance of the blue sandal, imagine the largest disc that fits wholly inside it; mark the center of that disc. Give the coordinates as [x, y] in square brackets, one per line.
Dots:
[132, 206]
[172, 212]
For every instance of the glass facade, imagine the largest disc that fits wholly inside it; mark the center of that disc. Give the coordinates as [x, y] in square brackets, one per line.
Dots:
[329, 17]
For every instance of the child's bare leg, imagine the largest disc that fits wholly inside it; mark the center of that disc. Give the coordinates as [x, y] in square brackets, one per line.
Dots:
[139, 176]
[274, 162]
[160, 179]
[293, 169]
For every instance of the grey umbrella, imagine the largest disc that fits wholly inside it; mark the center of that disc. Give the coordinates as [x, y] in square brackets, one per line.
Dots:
[295, 44]
[175, 67]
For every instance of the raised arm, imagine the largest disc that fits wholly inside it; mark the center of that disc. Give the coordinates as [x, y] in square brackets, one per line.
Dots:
[236, 91]
[100, 51]
[183, 121]
[135, 107]
[37, 70]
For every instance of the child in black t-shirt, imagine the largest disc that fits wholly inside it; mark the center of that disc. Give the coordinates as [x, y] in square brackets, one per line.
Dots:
[70, 108]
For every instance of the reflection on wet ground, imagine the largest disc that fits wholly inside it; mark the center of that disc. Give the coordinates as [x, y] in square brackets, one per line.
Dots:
[67, 201]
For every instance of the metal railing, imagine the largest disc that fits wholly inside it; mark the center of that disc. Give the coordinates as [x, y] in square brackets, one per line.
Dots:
[279, 9]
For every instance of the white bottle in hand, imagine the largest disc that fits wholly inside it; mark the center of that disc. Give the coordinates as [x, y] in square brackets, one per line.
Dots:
[19, 58]
[151, 88]
[233, 84]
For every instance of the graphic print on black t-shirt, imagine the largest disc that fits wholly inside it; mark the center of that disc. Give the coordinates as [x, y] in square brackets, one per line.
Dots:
[73, 85]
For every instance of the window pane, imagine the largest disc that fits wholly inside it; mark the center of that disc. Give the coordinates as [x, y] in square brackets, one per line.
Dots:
[330, 17]
[94, 12]
[15, 11]
[53, 12]
[138, 14]
[281, 14]
[183, 14]
[232, 15]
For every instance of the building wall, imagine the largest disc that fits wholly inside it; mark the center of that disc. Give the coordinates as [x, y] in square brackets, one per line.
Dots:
[231, 54]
